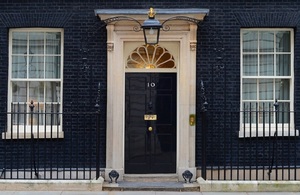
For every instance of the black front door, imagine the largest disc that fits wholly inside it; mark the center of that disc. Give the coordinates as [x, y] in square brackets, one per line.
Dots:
[150, 123]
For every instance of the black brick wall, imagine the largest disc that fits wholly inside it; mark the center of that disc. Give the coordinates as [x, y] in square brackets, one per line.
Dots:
[218, 58]
[218, 65]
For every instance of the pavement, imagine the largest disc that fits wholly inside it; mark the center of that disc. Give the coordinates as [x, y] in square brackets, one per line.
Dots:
[139, 193]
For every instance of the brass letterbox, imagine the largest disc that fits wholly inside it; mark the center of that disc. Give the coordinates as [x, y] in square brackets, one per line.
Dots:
[150, 117]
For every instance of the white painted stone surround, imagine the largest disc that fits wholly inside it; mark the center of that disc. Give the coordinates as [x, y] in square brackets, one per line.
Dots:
[181, 42]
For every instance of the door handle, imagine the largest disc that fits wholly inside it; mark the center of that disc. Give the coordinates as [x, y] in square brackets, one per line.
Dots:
[150, 128]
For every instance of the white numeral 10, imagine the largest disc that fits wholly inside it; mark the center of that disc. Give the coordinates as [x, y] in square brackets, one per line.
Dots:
[151, 84]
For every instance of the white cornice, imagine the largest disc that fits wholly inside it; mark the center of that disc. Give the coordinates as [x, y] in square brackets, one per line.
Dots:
[161, 14]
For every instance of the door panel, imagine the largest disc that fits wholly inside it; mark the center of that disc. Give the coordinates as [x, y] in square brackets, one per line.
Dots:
[150, 145]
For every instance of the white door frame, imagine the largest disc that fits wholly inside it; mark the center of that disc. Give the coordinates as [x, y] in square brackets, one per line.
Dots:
[184, 34]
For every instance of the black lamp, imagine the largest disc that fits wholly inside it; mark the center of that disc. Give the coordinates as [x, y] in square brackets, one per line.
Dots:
[151, 28]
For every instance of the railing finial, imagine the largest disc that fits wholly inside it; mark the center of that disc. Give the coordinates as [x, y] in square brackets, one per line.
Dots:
[276, 105]
[31, 106]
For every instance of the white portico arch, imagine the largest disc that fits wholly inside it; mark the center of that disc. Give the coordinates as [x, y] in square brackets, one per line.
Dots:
[121, 40]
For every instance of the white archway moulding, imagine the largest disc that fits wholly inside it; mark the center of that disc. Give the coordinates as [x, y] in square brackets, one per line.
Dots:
[182, 38]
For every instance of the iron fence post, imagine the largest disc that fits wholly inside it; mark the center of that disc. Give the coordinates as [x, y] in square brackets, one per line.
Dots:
[31, 106]
[97, 106]
[33, 160]
[204, 129]
[276, 105]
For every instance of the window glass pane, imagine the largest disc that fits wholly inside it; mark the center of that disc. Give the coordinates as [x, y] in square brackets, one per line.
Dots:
[52, 67]
[283, 65]
[18, 67]
[282, 89]
[266, 89]
[37, 119]
[284, 112]
[266, 66]
[19, 91]
[266, 41]
[250, 41]
[36, 91]
[19, 42]
[262, 112]
[249, 89]
[53, 43]
[52, 91]
[51, 116]
[18, 117]
[250, 65]
[264, 76]
[36, 42]
[36, 67]
[283, 41]
[266, 112]
[249, 114]
[35, 55]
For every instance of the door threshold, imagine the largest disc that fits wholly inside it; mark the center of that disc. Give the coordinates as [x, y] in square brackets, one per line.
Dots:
[161, 177]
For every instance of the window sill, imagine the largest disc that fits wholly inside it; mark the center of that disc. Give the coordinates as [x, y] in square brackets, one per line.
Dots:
[36, 135]
[259, 132]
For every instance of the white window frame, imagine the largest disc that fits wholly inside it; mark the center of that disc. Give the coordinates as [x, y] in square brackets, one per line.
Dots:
[267, 129]
[39, 131]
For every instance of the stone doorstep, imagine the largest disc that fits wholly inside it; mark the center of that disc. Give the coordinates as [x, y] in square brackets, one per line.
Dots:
[150, 182]
[99, 185]
[248, 186]
[150, 186]
[51, 185]
[150, 177]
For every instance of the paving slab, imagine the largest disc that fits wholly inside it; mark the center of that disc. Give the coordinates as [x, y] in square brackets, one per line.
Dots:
[139, 193]
[224, 193]
[84, 193]
[273, 193]
[154, 193]
[179, 193]
[132, 193]
[6, 193]
[32, 193]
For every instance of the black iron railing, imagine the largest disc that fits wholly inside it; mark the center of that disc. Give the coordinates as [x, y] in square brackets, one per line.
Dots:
[253, 144]
[48, 144]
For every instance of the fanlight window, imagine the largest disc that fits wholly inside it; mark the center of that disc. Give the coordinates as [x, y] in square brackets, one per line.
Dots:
[150, 56]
